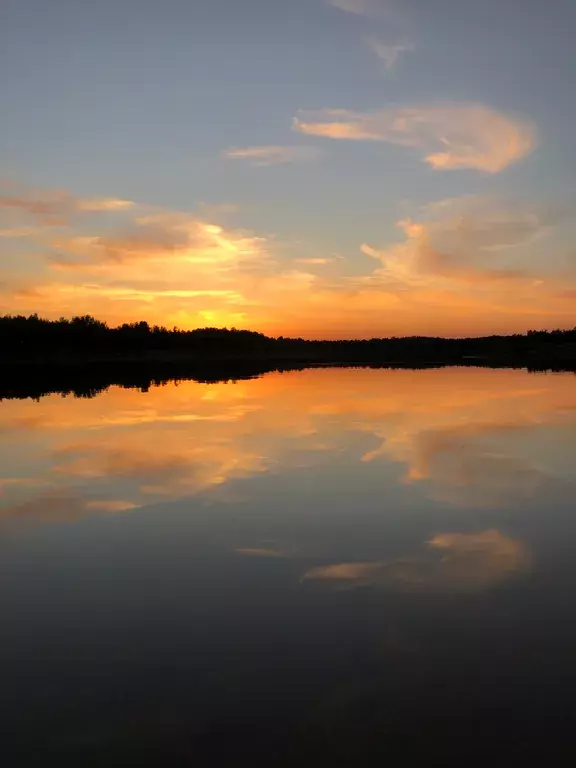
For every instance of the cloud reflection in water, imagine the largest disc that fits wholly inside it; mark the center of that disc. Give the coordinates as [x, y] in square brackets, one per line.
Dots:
[454, 562]
[463, 437]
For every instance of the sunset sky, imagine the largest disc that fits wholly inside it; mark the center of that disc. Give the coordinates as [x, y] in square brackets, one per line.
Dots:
[318, 168]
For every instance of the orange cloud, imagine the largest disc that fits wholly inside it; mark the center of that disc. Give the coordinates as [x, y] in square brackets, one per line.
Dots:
[173, 267]
[55, 207]
[18, 232]
[163, 238]
[463, 267]
[469, 239]
[452, 136]
[103, 204]
[55, 507]
[313, 261]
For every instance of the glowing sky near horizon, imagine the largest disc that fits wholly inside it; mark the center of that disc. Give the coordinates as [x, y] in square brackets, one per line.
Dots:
[320, 168]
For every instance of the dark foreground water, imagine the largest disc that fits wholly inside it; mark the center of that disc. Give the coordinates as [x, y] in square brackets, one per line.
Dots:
[330, 567]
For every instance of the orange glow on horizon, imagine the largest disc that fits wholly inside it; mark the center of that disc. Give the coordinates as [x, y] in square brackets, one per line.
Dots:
[456, 271]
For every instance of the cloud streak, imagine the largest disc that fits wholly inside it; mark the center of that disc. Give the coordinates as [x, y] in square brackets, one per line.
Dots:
[272, 154]
[161, 238]
[55, 207]
[259, 552]
[450, 136]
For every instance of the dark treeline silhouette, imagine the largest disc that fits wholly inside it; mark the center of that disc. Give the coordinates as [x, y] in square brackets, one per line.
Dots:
[84, 356]
[34, 338]
[85, 338]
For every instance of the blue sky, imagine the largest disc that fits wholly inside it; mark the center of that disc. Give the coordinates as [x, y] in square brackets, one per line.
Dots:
[218, 108]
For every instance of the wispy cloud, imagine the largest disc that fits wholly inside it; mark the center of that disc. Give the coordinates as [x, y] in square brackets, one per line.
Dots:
[463, 266]
[260, 552]
[272, 155]
[173, 267]
[55, 207]
[368, 8]
[60, 506]
[103, 204]
[452, 136]
[313, 260]
[389, 53]
[470, 239]
[162, 238]
[17, 232]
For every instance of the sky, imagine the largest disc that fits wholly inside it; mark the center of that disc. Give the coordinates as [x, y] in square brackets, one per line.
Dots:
[314, 168]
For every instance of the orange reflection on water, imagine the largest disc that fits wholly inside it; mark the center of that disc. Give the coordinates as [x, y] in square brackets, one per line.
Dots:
[462, 562]
[462, 436]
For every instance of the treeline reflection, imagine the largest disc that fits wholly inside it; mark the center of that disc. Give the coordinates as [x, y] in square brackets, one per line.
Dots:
[33, 380]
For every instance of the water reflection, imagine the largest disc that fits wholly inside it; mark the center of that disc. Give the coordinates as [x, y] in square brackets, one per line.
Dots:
[459, 562]
[304, 565]
[466, 437]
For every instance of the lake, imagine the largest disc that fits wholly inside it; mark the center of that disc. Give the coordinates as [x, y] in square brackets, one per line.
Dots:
[331, 566]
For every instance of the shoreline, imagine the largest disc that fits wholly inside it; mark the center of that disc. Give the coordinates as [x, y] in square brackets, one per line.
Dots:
[88, 377]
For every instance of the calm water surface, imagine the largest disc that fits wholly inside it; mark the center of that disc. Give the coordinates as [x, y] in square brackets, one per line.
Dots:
[338, 567]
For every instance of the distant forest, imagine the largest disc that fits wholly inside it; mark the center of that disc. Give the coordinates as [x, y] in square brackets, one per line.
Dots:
[78, 340]
[84, 356]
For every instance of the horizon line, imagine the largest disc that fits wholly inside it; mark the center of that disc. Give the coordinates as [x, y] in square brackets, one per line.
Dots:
[162, 328]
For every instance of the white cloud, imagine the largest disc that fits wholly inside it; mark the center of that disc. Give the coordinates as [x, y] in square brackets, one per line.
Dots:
[272, 155]
[451, 136]
[389, 52]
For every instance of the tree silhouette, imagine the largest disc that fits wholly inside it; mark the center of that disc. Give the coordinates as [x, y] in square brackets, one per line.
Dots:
[84, 339]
